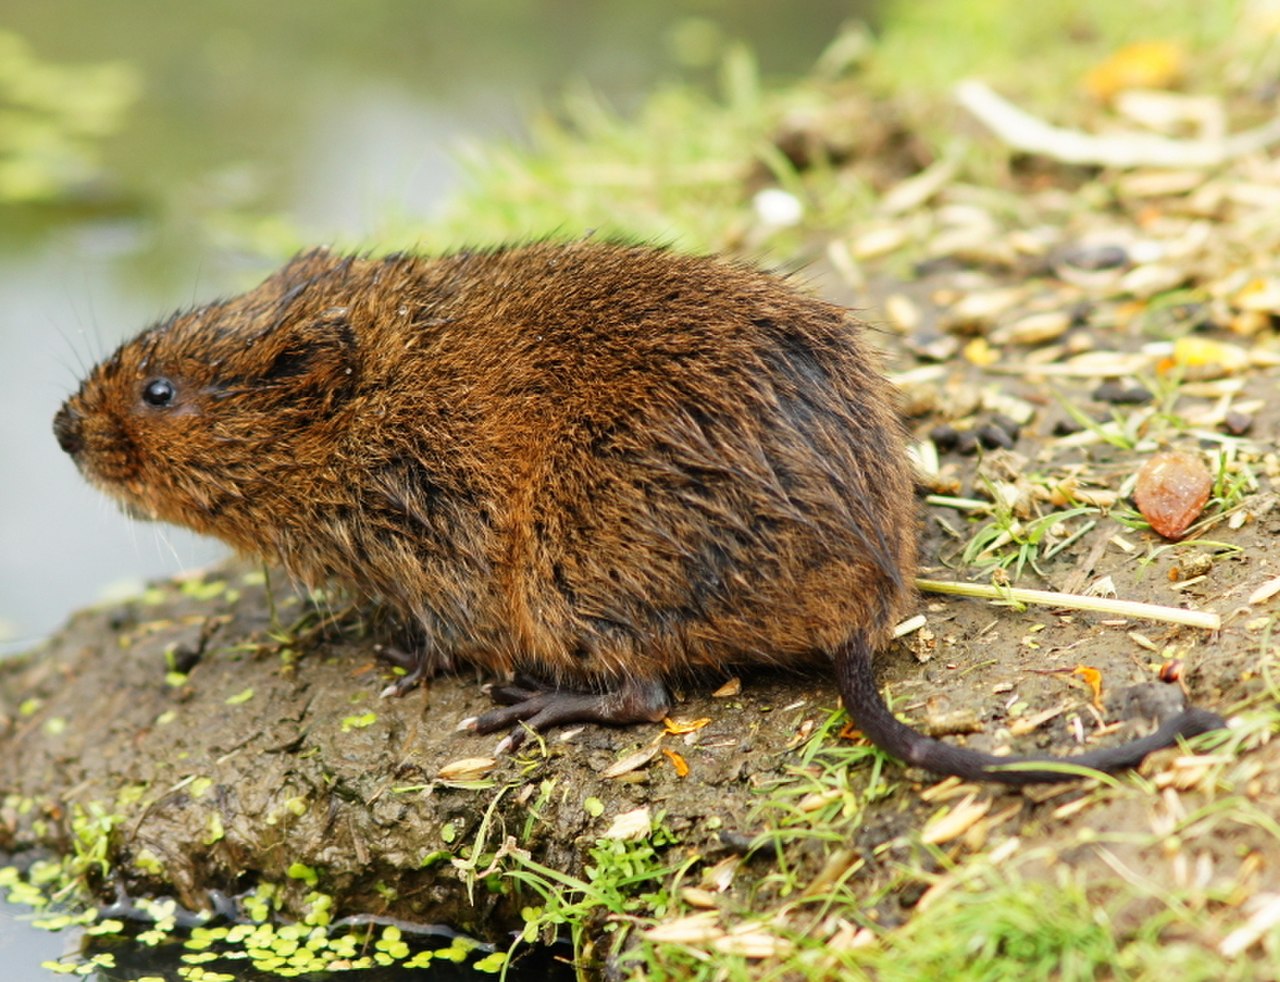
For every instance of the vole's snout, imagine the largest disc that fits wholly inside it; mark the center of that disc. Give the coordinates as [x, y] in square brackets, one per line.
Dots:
[67, 428]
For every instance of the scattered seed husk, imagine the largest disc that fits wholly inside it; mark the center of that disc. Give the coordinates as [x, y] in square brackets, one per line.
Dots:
[731, 688]
[697, 897]
[696, 929]
[1205, 358]
[951, 823]
[467, 769]
[679, 727]
[1261, 293]
[1147, 281]
[903, 313]
[879, 241]
[1018, 411]
[1029, 724]
[632, 825]
[1032, 329]
[631, 762]
[1265, 592]
[1148, 65]
[1160, 183]
[977, 310]
[754, 943]
[913, 192]
[720, 876]
[1090, 364]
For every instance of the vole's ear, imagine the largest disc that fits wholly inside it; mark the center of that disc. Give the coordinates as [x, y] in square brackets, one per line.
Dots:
[299, 272]
[288, 290]
[303, 346]
[312, 357]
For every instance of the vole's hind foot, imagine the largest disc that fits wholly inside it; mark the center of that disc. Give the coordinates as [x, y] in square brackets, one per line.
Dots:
[529, 705]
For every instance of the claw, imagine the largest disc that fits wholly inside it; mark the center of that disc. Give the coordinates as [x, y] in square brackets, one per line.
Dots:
[417, 665]
[403, 685]
[528, 706]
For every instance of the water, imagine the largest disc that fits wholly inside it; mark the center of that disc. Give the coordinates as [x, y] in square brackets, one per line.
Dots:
[330, 114]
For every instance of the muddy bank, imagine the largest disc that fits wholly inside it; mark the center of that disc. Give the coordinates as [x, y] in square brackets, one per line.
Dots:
[221, 752]
[216, 752]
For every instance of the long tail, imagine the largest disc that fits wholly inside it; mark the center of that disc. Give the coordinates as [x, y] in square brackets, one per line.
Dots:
[862, 701]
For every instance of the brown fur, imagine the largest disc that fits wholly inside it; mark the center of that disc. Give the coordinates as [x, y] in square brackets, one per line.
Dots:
[581, 459]
[604, 465]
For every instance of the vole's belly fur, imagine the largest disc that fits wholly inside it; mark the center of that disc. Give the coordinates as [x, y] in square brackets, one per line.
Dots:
[613, 492]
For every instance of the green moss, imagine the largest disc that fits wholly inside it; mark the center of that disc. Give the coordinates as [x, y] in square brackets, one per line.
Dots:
[303, 872]
[285, 950]
[93, 828]
[214, 830]
[203, 589]
[359, 722]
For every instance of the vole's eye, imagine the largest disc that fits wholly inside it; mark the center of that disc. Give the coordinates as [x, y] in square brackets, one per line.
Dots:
[159, 392]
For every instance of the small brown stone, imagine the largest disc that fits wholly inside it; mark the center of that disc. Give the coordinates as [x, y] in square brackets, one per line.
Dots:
[1171, 492]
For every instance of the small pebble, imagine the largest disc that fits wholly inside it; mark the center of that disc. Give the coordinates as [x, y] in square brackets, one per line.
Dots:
[992, 436]
[1000, 432]
[1171, 492]
[1237, 424]
[945, 437]
[1097, 257]
[1010, 426]
[1118, 393]
[778, 208]
[934, 347]
[1171, 671]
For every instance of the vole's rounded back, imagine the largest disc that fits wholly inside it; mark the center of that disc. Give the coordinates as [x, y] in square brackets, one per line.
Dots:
[594, 460]
[605, 466]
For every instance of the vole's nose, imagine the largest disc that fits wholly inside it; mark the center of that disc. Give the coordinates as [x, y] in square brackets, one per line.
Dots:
[66, 427]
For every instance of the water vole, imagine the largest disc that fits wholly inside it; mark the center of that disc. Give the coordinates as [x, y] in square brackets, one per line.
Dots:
[603, 467]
